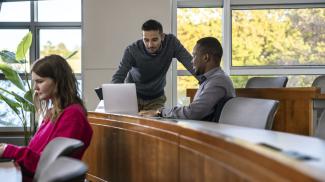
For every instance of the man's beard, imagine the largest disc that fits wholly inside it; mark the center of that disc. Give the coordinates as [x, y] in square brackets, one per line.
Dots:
[197, 72]
[155, 52]
[152, 51]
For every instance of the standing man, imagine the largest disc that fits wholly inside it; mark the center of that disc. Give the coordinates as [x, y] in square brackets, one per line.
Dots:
[146, 62]
[214, 87]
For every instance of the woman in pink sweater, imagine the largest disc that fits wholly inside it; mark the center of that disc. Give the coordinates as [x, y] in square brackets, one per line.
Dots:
[57, 100]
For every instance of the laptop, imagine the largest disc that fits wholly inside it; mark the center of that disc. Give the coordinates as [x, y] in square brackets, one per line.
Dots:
[99, 93]
[120, 98]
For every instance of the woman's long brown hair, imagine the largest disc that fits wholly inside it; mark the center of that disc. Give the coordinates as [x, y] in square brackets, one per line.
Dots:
[65, 92]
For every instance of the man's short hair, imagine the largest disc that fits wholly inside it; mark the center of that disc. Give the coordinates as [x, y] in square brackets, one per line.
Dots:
[211, 46]
[152, 25]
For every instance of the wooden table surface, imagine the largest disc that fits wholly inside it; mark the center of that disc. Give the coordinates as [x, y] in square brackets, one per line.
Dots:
[133, 148]
[309, 146]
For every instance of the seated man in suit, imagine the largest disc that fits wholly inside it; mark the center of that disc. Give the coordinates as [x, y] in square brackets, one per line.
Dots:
[215, 85]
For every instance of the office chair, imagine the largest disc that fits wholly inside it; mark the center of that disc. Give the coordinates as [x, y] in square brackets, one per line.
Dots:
[319, 82]
[214, 117]
[64, 169]
[267, 82]
[320, 127]
[59, 146]
[249, 112]
[319, 104]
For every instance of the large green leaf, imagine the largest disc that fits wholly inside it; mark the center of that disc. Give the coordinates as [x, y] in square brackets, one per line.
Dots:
[12, 76]
[23, 47]
[20, 102]
[14, 105]
[24, 101]
[29, 96]
[27, 105]
[8, 57]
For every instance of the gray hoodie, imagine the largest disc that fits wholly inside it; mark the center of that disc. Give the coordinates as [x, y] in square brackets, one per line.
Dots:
[148, 71]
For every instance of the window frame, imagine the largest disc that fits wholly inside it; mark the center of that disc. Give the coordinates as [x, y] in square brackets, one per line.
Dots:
[228, 6]
[187, 4]
[281, 69]
[34, 51]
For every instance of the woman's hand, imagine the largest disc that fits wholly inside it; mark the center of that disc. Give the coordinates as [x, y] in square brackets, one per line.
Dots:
[2, 148]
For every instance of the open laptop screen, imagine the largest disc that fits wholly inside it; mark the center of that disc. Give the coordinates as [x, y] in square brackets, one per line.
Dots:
[99, 93]
[120, 98]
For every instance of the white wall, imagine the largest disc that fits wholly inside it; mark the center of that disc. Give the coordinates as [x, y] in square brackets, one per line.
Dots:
[109, 26]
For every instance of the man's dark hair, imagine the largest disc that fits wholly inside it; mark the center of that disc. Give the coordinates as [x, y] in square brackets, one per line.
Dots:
[211, 46]
[152, 25]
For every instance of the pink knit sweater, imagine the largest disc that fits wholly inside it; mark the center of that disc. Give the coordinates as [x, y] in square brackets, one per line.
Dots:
[72, 123]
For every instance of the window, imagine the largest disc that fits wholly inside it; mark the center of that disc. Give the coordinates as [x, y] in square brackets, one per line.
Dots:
[10, 38]
[260, 38]
[56, 28]
[278, 37]
[63, 11]
[63, 42]
[193, 24]
[9, 12]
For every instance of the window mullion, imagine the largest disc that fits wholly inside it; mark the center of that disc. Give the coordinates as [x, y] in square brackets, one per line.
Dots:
[33, 49]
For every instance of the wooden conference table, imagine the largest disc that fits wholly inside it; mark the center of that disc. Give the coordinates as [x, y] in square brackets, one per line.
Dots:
[133, 148]
[9, 172]
[295, 112]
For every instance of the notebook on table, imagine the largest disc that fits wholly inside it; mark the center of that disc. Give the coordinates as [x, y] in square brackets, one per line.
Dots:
[120, 98]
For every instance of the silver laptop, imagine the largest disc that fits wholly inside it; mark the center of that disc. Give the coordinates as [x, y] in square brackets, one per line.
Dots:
[120, 98]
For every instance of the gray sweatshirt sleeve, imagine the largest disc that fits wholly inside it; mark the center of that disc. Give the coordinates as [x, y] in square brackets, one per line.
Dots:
[201, 106]
[124, 67]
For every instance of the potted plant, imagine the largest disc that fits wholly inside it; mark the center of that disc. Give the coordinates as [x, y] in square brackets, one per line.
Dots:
[21, 101]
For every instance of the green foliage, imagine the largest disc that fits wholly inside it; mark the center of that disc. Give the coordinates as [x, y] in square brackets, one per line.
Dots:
[23, 47]
[73, 57]
[239, 81]
[263, 37]
[193, 24]
[22, 105]
[196, 23]
[12, 75]
[8, 57]
[278, 37]
[21, 102]
[59, 49]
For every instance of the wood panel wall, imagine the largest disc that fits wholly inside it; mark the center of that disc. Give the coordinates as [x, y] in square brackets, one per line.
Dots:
[132, 152]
